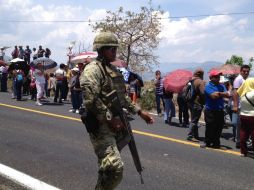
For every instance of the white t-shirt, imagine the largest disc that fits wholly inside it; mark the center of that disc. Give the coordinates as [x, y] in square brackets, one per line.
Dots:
[39, 77]
[246, 108]
[237, 84]
[60, 73]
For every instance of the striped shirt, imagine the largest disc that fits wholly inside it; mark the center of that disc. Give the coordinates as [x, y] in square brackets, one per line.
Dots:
[159, 86]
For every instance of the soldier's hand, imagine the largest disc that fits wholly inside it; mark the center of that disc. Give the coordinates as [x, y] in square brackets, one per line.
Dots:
[116, 124]
[146, 117]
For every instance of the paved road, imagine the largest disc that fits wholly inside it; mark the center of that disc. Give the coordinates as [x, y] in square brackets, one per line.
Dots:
[55, 149]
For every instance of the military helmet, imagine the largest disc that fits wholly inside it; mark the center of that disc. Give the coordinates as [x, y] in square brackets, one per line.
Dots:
[104, 39]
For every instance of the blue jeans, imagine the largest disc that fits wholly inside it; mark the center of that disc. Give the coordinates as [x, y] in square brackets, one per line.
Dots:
[76, 99]
[18, 86]
[169, 109]
[159, 98]
[236, 126]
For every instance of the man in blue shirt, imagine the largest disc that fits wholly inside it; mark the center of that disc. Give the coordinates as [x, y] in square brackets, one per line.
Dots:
[214, 115]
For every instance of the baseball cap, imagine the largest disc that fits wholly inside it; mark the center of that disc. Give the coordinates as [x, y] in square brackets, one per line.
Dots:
[214, 72]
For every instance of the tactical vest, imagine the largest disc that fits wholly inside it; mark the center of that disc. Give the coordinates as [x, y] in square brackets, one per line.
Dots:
[113, 80]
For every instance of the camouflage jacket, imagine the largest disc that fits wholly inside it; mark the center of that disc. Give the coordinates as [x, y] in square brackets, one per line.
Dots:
[97, 80]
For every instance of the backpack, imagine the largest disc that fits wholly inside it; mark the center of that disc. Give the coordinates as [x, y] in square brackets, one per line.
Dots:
[188, 92]
[19, 77]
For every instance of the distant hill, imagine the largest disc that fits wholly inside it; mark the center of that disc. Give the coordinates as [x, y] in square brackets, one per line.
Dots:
[192, 66]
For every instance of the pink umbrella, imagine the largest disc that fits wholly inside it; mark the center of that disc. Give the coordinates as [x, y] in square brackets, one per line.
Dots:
[119, 63]
[229, 69]
[176, 80]
[80, 58]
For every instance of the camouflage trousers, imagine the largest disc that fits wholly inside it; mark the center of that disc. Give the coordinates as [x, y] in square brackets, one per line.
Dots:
[110, 164]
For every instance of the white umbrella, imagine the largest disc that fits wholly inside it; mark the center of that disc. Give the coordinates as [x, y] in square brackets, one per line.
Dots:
[4, 47]
[80, 58]
[17, 60]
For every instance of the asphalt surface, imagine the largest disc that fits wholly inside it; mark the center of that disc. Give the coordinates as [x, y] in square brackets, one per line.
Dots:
[57, 151]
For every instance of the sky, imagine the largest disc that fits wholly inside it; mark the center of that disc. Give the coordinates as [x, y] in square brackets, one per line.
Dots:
[184, 41]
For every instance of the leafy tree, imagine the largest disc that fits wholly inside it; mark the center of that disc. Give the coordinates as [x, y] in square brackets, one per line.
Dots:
[251, 61]
[137, 34]
[235, 60]
[238, 60]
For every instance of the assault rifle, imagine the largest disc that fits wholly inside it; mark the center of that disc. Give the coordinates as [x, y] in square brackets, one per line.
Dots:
[116, 109]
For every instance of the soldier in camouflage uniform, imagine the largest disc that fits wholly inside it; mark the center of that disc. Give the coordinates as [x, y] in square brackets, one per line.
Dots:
[98, 79]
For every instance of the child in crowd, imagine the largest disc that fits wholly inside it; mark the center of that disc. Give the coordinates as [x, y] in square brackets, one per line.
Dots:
[33, 89]
[51, 84]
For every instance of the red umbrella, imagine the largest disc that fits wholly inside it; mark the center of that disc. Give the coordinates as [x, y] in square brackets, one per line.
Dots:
[176, 80]
[119, 63]
[2, 63]
[80, 58]
[229, 69]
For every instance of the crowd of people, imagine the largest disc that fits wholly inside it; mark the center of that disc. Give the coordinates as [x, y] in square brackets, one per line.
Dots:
[27, 53]
[40, 84]
[220, 98]
[101, 89]
[217, 98]
[62, 85]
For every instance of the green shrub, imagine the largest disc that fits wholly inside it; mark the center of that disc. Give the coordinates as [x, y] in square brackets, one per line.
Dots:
[147, 100]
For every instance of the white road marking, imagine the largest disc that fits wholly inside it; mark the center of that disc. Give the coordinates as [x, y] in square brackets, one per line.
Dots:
[23, 179]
